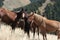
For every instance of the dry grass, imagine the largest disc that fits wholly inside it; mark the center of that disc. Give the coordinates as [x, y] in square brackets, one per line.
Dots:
[7, 34]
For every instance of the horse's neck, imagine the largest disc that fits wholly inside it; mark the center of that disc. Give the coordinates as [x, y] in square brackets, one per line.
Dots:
[38, 19]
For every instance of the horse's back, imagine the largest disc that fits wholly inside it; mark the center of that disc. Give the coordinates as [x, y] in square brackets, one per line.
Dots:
[8, 13]
[12, 15]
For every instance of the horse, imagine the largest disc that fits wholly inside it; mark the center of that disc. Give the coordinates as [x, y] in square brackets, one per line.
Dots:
[26, 24]
[44, 25]
[32, 27]
[10, 17]
[7, 16]
[18, 19]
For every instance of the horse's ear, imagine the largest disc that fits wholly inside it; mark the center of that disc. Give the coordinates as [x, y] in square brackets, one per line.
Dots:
[31, 14]
[21, 9]
[31, 17]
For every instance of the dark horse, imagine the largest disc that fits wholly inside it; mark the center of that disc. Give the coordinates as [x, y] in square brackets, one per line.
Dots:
[44, 25]
[26, 26]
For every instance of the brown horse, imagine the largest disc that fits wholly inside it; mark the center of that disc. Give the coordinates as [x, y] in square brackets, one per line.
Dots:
[44, 25]
[10, 17]
[7, 16]
[28, 25]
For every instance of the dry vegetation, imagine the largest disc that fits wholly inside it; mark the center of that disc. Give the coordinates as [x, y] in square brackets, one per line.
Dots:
[6, 33]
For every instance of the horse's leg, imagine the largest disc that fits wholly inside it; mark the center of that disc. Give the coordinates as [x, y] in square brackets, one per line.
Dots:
[13, 26]
[33, 29]
[58, 33]
[38, 32]
[28, 32]
[44, 35]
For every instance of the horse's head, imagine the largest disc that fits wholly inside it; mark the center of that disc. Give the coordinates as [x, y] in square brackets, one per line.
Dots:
[37, 19]
[22, 15]
[2, 12]
[31, 17]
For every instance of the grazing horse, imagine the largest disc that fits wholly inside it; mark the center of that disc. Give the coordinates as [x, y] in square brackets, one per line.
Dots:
[44, 25]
